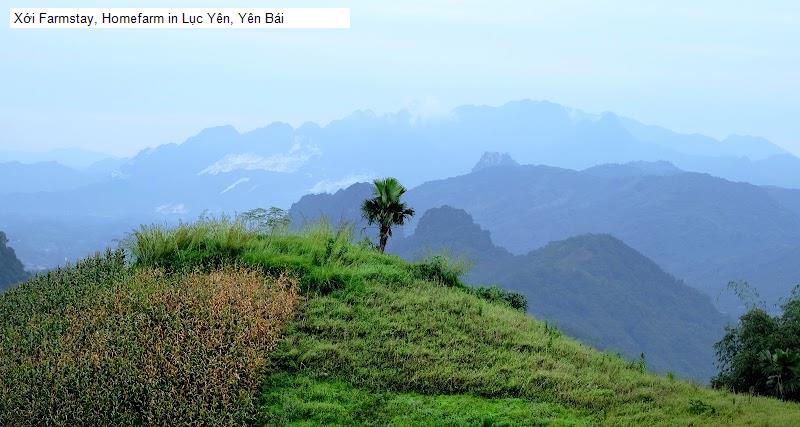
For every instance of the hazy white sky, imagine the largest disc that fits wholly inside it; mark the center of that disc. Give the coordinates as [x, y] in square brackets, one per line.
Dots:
[714, 67]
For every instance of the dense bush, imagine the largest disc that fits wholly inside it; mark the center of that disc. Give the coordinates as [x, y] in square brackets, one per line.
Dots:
[441, 270]
[101, 344]
[512, 299]
[762, 353]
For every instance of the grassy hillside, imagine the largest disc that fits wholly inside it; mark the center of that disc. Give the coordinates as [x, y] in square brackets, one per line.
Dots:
[374, 341]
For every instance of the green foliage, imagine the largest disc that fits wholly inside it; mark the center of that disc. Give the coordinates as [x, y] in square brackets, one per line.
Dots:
[386, 209]
[762, 353]
[301, 400]
[441, 270]
[782, 369]
[747, 294]
[515, 300]
[640, 364]
[699, 407]
[103, 344]
[265, 221]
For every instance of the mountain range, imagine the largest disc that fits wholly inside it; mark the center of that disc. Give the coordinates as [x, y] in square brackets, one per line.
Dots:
[223, 169]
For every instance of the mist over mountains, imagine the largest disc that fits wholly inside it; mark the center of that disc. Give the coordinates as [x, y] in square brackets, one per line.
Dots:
[223, 169]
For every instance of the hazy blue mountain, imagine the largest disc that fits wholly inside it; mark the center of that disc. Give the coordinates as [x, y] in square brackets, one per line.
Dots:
[632, 169]
[344, 206]
[16, 177]
[592, 286]
[788, 198]
[452, 231]
[753, 148]
[43, 242]
[107, 168]
[75, 158]
[11, 269]
[491, 159]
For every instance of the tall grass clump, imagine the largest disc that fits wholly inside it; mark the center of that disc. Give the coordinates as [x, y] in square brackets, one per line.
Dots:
[102, 344]
[208, 242]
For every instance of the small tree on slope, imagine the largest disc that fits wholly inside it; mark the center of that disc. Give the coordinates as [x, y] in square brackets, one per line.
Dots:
[386, 209]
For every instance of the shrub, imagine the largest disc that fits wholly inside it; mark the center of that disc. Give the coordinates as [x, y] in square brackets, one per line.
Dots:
[100, 344]
[512, 299]
[698, 407]
[264, 221]
[440, 270]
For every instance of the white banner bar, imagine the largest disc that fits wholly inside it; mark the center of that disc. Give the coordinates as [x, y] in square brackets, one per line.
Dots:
[179, 18]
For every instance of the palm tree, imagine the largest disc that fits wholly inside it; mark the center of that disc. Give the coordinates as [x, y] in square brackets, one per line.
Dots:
[782, 369]
[385, 209]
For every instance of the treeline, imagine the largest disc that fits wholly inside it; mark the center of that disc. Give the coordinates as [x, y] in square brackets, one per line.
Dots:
[761, 354]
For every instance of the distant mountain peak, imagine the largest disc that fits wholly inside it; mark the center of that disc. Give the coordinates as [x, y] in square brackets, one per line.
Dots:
[449, 230]
[491, 159]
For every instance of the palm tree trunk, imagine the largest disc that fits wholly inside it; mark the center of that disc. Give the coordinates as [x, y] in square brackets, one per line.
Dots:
[383, 238]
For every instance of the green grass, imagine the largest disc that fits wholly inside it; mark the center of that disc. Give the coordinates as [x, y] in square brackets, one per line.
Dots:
[299, 400]
[378, 341]
[438, 341]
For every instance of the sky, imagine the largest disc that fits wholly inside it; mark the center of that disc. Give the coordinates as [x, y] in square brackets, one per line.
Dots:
[711, 67]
